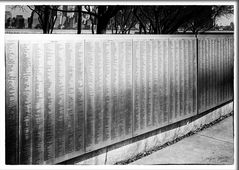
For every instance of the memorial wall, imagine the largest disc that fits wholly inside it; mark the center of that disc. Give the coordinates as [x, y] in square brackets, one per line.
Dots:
[69, 95]
[215, 70]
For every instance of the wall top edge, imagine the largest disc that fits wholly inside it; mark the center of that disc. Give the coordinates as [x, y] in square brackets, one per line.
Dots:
[106, 36]
[214, 35]
[121, 36]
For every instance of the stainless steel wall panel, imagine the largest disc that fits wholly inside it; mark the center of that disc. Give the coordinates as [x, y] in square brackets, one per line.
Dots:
[136, 86]
[128, 117]
[37, 103]
[60, 99]
[149, 86]
[157, 66]
[89, 94]
[11, 101]
[49, 101]
[162, 117]
[79, 97]
[214, 72]
[183, 78]
[164, 84]
[25, 102]
[98, 119]
[107, 91]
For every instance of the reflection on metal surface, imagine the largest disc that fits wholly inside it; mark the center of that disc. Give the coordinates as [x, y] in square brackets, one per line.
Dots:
[215, 76]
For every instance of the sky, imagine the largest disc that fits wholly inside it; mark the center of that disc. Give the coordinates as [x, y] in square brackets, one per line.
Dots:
[224, 20]
[26, 13]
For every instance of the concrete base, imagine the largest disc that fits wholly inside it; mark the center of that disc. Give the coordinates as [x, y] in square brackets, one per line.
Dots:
[113, 154]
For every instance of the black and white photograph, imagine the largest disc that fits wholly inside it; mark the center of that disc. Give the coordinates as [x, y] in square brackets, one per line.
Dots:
[120, 84]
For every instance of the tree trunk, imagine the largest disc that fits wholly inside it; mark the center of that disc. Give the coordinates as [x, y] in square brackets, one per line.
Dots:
[140, 28]
[112, 28]
[46, 24]
[103, 18]
[79, 8]
[101, 26]
[31, 20]
[92, 24]
[116, 27]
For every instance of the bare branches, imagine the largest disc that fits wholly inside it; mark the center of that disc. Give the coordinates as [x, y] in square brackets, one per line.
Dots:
[150, 19]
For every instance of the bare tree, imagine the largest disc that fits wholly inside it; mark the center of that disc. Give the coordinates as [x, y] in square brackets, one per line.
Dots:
[167, 19]
[205, 20]
[103, 14]
[46, 16]
[151, 19]
[124, 20]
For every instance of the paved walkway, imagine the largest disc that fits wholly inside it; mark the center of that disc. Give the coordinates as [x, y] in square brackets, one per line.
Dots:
[213, 145]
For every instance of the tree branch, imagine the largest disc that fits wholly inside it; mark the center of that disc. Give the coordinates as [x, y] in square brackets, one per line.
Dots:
[85, 12]
[139, 19]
